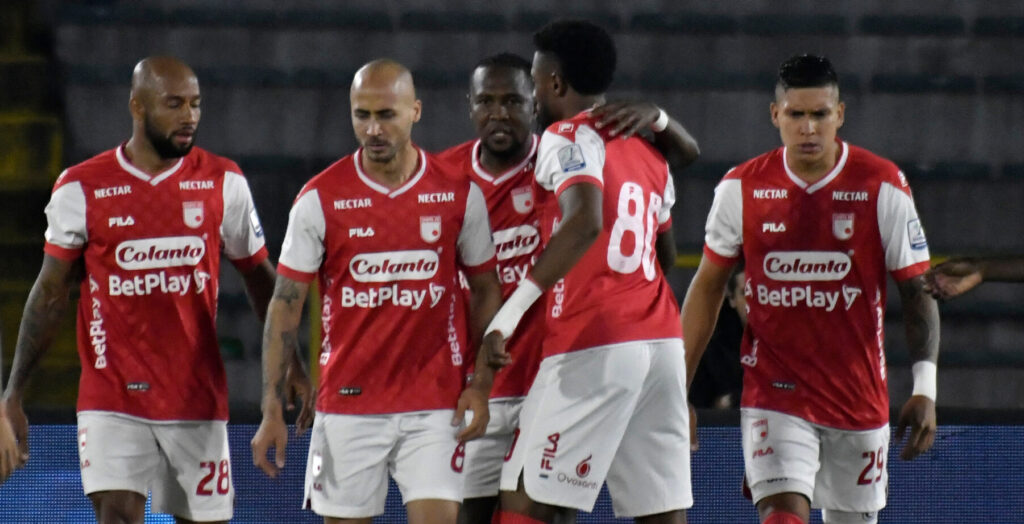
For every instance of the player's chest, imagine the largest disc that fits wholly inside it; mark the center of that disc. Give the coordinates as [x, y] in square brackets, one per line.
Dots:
[127, 211]
[426, 219]
[839, 218]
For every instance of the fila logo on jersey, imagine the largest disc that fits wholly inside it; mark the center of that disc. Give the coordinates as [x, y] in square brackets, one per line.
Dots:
[105, 192]
[360, 232]
[120, 221]
[195, 184]
[770, 194]
[773, 227]
[806, 265]
[435, 198]
[565, 127]
[391, 266]
[516, 241]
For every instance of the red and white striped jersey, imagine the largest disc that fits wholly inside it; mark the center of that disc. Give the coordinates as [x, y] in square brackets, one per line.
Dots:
[515, 220]
[151, 246]
[387, 262]
[617, 291]
[816, 258]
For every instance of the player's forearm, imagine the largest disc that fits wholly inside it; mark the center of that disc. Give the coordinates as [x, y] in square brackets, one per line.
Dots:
[676, 144]
[281, 339]
[700, 313]
[1002, 269]
[920, 320]
[44, 309]
[484, 301]
[579, 229]
[259, 287]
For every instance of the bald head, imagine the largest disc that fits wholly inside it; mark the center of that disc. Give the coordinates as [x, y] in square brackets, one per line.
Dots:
[384, 108]
[382, 74]
[164, 104]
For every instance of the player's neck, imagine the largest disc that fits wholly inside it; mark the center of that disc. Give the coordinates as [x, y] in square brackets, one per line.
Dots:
[143, 156]
[395, 172]
[577, 103]
[498, 164]
[813, 171]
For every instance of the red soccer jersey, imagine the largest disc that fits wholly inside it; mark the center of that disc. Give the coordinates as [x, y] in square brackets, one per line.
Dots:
[515, 219]
[616, 292]
[151, 244]
[816, 258]
[394, 319]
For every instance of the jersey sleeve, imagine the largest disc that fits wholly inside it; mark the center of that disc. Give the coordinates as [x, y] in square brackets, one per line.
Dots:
[903, 238]
[66, 232]
[476, 247]
[668, 199]
[302, 252]
[562, 162]
[240, 230]
[723, 232]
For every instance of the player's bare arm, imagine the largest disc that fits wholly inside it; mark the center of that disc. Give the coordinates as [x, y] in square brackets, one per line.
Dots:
[700, 313]
[674, 142]
[485, 298]
[280, 342]
[665, 250]
[259, 287]
[46, 304]
[957, 276]
[921, 321]
[8, 444]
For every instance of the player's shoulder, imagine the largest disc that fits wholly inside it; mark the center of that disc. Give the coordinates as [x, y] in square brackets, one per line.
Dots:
[93, 170]
[571, 128]
[212, 164]
[871, 166]
[330, 177]
[450, 171]
[458, 154]
[756, 166]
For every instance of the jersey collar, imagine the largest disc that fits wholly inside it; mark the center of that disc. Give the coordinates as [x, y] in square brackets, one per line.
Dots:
[497, 180]
[380, 188]
[811, 188]
[138, 173]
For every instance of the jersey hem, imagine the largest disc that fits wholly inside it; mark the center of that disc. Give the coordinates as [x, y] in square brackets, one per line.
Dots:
[294, 274]
[62, 253]
[251, 261]
[717, 259]
[578, 179]
[911, 271]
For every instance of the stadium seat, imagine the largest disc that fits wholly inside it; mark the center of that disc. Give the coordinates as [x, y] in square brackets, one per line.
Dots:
[923, 83]
[790, 24]
[452, 21]
[684, 23]
[530, 21]
[1002, 26]
[1004, 84]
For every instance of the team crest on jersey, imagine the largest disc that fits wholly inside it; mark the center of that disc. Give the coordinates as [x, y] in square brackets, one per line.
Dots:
[522, 199]
[192, 212]
[759, 430]
[430, 228]
[842, 225]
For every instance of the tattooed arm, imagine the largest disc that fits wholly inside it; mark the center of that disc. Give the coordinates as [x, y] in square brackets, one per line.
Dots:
[921, 320]
[280, 343]
[46, 304]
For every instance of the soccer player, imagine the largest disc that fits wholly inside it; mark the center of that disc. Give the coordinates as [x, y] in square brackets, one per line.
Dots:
[385, 231]
[957, 276]
[609, 399]
[500, 161]
[818, 224]
[141, 228]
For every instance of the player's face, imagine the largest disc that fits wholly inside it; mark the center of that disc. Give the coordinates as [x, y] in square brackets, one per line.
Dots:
[501, 106]
[172, 116]
[808, 119]
[382, 117]
[543, 88]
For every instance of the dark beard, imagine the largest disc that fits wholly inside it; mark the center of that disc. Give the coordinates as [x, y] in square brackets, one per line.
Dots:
[165, 146]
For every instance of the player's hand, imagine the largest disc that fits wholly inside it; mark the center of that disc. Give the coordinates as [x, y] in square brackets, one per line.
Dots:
[952, 278]
[9, 455]
[272, 433]
[475, 400]
[919, 414]
[625, 118]
[694, 443]
[298, 385]
[494, 349]
[19, 425]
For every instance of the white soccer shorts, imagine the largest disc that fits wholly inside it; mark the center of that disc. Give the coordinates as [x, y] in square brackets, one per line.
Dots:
[350, 457]
[186, 465]
[835, 469]
[613, 413]
[486, 455]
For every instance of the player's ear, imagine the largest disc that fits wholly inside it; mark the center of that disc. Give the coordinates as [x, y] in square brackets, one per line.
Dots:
[417, 110]
[774, 109]
[840, 114]
[136, 108]
[558, 84]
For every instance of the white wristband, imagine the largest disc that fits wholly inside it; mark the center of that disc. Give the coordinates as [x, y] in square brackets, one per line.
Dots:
[661, 123]
[512, 311]
[924, 379]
